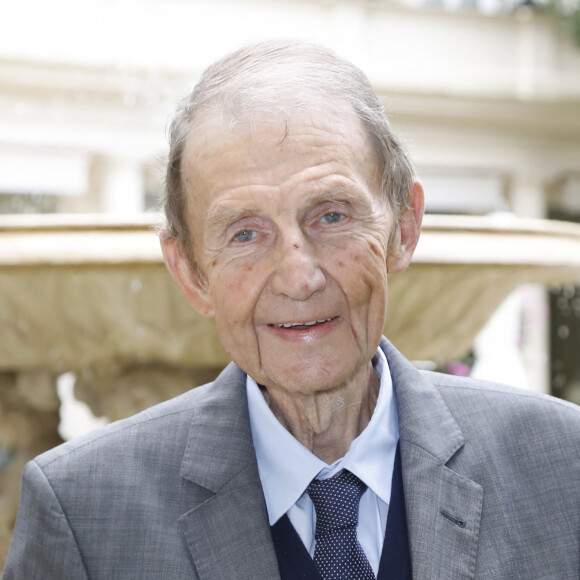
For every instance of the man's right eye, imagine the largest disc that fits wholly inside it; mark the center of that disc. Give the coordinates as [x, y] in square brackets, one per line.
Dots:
[332, 217]
[245, 235]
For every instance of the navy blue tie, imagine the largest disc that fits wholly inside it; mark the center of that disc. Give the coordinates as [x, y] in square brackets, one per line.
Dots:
[338, 554]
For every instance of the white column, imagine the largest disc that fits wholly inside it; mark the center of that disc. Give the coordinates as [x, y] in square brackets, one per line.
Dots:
[527, 195]
[513, 347]
[527, 198]
[122, 190]
[497, 349]
[525, 52]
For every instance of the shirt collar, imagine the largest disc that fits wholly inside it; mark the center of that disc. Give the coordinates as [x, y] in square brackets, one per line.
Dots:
[286, 467]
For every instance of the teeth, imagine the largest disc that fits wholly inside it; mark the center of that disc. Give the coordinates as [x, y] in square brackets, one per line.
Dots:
[292, 324]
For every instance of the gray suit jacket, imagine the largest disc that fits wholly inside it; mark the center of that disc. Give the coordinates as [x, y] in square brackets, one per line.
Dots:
[491, 481]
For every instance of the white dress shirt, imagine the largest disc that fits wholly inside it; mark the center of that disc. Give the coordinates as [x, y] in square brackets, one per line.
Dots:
[286, 467]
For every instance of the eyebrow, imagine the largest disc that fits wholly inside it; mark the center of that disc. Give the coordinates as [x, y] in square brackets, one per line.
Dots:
[221, 216]
[337, 192]
[340, 192]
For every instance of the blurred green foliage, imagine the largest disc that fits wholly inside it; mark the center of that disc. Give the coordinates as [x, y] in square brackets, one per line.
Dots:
[567, 14]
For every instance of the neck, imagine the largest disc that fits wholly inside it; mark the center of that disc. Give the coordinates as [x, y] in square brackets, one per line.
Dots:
[327, 422]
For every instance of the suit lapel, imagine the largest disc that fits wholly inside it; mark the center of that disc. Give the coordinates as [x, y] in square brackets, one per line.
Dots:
[443, 507]
[227, 529]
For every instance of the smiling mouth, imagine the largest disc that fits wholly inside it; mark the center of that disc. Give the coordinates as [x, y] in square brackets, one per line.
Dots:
[302, 325]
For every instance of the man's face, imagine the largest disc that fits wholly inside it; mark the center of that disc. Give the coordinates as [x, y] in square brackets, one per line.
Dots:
[292, 238]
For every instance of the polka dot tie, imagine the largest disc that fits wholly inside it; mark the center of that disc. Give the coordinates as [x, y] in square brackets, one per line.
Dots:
[338, 554]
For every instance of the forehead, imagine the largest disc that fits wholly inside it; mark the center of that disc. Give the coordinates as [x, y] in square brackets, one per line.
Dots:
[246, 150]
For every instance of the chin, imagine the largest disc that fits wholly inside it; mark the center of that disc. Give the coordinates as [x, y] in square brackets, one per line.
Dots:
[311, 383]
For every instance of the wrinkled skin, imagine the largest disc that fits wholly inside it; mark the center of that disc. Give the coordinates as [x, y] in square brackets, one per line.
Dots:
[288, 228]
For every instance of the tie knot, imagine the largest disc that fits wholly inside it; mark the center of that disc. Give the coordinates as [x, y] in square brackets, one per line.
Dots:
[336, 501]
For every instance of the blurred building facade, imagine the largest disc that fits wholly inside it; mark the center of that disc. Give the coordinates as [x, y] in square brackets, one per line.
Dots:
[485, 94]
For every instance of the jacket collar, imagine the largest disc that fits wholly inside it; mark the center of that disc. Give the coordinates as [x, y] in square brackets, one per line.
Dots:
[424, 419]
[443, 506]
[227, 529]
[220, 439]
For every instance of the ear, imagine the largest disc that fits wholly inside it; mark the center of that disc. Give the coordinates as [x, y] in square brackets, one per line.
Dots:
[407, 234]
[187, 279]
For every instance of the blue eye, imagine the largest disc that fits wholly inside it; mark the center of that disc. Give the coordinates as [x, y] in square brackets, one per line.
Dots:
[332, 217]
[245, 235]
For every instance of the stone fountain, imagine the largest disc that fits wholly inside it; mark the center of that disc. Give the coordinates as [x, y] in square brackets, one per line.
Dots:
[90, 295]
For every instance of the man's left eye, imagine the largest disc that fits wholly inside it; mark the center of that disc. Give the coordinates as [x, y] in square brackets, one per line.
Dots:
[245, 235]
[332, 217]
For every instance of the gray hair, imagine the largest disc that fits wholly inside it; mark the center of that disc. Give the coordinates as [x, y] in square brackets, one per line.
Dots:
[277, 78]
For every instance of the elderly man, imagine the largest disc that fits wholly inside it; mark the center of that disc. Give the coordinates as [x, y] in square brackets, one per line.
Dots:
[320, 452]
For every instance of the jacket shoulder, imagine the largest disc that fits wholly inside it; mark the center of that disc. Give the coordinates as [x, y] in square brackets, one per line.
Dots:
[156, 429]
[509, 395]
[497, 411]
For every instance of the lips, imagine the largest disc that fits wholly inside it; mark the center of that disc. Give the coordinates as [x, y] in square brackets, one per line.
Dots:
[302, 325]
[307, 332]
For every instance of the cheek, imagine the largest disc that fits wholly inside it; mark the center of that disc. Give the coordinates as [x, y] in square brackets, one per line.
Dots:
[368, 253]
[366, 249]
[237, 286]
[363, 270]
[233, 293]
[238, 283]
[234, 287]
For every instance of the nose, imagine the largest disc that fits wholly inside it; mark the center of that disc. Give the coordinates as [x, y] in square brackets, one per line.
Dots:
[297, 273]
